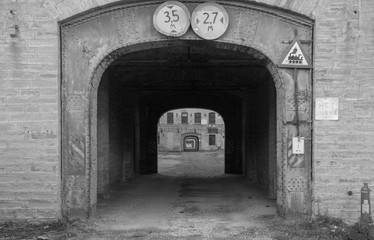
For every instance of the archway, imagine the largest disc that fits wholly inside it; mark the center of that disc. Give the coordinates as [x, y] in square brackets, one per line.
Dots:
[87, 62]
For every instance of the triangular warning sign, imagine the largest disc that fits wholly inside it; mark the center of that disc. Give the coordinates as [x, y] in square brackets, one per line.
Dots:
[294, 57]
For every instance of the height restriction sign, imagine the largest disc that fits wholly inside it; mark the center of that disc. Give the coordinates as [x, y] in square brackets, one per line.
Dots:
[209, 20]
[172, 19]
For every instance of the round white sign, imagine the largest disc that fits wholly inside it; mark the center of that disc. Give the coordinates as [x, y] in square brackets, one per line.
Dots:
[209, 20]
[172, 19]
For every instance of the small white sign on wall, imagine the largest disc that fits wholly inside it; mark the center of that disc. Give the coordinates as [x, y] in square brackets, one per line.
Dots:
[327, 109]
[298, 145]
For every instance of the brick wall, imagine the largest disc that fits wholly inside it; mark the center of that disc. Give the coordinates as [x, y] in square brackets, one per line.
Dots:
[29, 112]
[343, 150]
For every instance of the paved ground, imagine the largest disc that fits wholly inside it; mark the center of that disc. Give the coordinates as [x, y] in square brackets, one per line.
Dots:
[191, 198]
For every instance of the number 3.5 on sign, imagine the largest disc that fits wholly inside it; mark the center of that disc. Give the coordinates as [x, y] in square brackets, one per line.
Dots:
[172, 19]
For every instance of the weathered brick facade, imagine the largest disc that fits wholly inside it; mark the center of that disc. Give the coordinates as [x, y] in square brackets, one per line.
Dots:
[171, 135]
[29, 112]
[30, 156]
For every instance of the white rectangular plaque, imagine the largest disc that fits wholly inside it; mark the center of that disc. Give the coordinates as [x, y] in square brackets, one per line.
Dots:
[298, 145]
[365, 208]
[327, 109]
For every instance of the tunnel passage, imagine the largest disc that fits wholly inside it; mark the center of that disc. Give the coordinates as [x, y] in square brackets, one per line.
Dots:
[137, 88]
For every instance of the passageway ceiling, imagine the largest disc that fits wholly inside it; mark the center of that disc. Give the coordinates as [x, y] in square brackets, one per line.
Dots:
[188, 68]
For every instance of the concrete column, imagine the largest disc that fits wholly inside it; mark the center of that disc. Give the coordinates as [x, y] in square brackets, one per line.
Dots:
[233, 148]
[128, 139]
[297, 168]
[152, 166]
[143, 139]
[244, 132]
[239, 138]
[137, 135]
[251, 148]
[272, 141]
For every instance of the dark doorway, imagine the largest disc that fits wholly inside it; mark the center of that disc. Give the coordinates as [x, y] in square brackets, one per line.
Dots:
[191, 147]
[191, 144]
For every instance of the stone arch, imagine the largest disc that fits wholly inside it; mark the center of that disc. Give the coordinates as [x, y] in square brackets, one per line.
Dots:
[80, 96]
[96, 77]
[108, 57]
[191, 135]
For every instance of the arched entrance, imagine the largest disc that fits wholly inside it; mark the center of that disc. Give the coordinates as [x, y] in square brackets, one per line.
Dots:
[190, 143]
[239, 78]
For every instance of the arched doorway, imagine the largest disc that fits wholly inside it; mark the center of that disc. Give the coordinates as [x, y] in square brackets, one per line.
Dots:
[238, 73]
[191, 143]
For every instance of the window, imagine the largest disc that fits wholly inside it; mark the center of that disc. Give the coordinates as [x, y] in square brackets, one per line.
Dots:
[212, 118]
[184, 118]
[170, 118]
[197, 118]
[212, 130]
[212, 140]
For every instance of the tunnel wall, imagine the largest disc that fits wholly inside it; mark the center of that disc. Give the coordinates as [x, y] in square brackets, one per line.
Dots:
[272, 115]
[128, 134]
[115, 134]
[103, 155]
[261, 115]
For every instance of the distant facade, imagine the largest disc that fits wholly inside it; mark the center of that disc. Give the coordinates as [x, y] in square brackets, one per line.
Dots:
[191, 129]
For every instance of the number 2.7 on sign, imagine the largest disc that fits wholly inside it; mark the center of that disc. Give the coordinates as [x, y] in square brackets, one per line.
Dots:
[209, 20]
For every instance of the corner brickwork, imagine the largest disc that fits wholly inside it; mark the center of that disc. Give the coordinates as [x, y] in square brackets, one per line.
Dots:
[344, 149]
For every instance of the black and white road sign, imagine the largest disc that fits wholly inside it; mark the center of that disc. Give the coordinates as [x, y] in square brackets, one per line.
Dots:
[172, 19]
[209, 20]
[294, 57]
